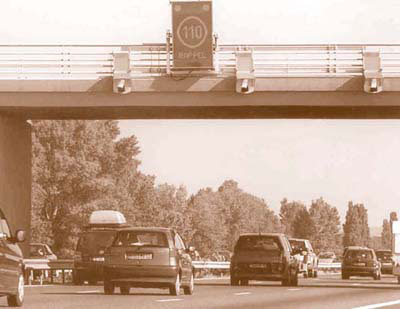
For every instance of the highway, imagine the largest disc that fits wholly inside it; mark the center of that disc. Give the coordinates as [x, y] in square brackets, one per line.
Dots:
[327, 291]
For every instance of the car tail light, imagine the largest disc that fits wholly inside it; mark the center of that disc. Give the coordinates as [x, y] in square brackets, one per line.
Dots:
[172, 258]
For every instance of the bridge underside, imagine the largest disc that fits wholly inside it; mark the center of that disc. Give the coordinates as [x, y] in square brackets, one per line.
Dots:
[200, 105]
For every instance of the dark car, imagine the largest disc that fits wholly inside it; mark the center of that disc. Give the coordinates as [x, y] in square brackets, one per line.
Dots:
[11, 264]
[148, 257]
[360, 261]
[93, 241]
[385, 257]
[263, 256]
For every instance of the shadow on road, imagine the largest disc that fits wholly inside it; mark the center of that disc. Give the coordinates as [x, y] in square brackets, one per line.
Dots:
[101, 293]
[356, 284]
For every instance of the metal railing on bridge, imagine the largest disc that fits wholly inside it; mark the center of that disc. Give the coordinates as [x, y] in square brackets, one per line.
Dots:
[97, 61]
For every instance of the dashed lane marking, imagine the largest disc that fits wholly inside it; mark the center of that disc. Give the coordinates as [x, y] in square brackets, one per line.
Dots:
[242, 293]
[88, 292]
[390, 303]
[169, 300]
[294, 289]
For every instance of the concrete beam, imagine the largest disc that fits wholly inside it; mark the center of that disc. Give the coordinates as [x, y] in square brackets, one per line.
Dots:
[15, 174]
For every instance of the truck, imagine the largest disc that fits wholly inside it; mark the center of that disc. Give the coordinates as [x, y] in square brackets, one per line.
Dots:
[93, 241]
[308, 260]
[396, 249]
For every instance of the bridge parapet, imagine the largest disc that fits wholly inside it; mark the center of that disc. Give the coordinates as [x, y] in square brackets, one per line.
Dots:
[276, 67]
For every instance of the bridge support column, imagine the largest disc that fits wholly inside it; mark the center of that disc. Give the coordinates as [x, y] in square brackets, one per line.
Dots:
[15, 174]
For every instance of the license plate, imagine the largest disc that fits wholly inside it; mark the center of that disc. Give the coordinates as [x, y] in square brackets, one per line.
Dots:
[98, 259]
[140, 256]
[359, 264]
[258, 265]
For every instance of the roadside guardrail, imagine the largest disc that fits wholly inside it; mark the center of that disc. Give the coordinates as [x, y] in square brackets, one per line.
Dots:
[43, 266]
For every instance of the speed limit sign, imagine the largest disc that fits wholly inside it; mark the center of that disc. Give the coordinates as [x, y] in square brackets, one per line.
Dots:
[192, 34]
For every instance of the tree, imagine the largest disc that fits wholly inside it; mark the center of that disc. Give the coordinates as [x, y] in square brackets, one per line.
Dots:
[288, 213]
[326, 225]
[386, 235]
[206, 232]
[78, 167]
[355, 228]
[242, 212]
[303, 226]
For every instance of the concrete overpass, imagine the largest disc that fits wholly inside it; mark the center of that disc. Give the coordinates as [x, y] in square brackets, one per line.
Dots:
[140, 82]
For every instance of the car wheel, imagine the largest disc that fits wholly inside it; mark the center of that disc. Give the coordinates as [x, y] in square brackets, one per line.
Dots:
[244, 282]
[287, 281]
[125, 289]
[77, 278]
[176, 288]
[295, 280]
[315, 274]
[345, 276]
[109, 287]
[234, 280]
[188, 290]
[92, 282]
[17, 299]
[305, 275]
[310, 273]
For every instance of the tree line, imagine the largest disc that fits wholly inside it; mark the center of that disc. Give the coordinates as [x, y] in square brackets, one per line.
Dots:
[80, 166]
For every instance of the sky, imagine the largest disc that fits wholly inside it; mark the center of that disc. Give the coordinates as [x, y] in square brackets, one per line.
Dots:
[298, 159]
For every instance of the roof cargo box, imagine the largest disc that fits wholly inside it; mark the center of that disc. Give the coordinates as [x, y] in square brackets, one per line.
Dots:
[106, 217]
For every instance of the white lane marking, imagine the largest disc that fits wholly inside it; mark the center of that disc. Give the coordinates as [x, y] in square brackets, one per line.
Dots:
[88, 292]
[41, 286]
[390, 303]
[242, 293]
[222, 278]
[168, 300]
[356, 284]
[294, 289]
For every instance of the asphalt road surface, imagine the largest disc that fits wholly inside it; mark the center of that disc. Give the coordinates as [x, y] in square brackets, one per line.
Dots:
[327, 291]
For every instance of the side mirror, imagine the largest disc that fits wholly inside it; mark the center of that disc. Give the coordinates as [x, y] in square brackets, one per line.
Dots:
[20, 236]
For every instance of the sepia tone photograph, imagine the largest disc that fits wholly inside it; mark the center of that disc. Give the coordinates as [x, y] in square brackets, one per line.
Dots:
[199, 154]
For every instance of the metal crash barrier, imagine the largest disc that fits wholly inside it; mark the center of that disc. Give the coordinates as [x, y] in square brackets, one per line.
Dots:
[42, 268]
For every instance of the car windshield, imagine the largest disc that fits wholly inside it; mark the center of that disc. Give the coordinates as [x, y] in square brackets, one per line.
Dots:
[353, 254]
[141, 238]
[258, 242]
[39, 250]
[298, 245]
[386, 256]
[93, 242]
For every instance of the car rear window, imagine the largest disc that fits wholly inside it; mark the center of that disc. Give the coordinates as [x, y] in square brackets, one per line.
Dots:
[141, 238]
[39, 250]
[326, 255]
[384, 255]
[298, 245]
[352, 254]
[92, 242]
[258, 242]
